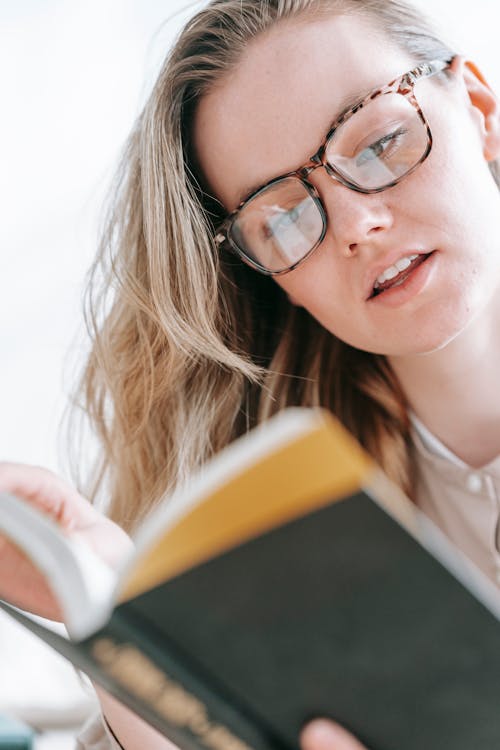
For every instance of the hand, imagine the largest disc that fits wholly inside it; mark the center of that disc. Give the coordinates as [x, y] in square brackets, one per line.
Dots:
[322, 734]
[20, 581]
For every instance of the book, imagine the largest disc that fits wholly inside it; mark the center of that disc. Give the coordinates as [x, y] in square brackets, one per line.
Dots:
[289, 579]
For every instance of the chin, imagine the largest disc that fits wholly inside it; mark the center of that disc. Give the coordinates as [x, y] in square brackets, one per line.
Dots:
[422, 336]
[436, 334]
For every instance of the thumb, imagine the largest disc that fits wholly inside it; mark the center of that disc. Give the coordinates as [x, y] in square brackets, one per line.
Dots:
[47, 492]
[322, 734]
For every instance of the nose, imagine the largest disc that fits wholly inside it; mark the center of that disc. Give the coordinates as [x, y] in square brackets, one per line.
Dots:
[354, 219]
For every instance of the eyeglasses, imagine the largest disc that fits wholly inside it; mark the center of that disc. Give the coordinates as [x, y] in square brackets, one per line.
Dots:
[370, 147]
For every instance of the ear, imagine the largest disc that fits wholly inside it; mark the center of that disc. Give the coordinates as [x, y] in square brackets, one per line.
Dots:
[486, 105]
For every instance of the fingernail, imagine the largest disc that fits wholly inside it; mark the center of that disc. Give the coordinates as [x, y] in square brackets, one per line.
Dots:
[320, 734]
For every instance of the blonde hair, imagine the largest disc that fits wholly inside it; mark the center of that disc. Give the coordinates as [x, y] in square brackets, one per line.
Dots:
[191, 347]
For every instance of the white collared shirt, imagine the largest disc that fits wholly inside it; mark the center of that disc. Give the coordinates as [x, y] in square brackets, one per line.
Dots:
[463, 501]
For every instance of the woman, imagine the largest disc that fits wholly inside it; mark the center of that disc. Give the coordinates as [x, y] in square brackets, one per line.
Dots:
[275, 243]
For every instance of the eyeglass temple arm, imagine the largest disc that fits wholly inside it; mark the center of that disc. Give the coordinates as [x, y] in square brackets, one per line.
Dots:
[426, 69]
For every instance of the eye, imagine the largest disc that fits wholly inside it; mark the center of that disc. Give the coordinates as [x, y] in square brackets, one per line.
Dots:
[383, 148]
[281, 220]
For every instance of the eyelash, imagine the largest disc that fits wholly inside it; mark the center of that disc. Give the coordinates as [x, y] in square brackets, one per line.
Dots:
[390, 139]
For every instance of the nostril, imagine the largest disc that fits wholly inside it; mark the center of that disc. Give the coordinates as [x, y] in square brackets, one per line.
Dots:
[352, 247]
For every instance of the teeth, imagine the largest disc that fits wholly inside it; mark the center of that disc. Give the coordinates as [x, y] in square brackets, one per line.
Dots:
[403, 264]
[390, 273]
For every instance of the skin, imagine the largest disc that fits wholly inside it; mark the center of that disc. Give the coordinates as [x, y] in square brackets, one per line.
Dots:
[266, 119]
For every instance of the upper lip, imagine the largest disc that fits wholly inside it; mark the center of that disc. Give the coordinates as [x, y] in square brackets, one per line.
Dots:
[388, 260]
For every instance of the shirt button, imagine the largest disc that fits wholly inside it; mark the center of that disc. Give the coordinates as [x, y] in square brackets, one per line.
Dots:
[474, 483]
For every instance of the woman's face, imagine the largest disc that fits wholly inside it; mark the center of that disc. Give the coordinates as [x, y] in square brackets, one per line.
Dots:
[271, 114]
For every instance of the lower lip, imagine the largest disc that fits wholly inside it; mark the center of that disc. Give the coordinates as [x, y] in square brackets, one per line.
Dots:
[410, 287]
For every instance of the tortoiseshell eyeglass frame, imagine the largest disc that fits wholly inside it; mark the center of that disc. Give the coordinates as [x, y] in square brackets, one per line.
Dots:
[402, 85]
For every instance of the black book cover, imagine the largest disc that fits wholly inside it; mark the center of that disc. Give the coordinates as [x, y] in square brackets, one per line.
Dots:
[339, 613]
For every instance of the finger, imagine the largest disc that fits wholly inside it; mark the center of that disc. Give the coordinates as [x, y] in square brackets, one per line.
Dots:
[108, 540]
[23, 585]
[50, 493]
[322, 734]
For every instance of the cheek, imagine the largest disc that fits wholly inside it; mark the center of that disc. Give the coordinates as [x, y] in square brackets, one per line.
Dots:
[456, 184]
[329, 300]
[468, 209]
[316, 285]
[457, 202]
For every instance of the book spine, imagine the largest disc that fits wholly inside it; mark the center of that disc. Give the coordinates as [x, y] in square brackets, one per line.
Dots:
[173, 696]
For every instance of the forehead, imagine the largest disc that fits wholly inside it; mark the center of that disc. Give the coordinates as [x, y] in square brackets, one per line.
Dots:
[269, 115]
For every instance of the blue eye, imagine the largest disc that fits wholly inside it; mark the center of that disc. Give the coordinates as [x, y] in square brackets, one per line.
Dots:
[383, 148]
[280, 222]
[288, 218]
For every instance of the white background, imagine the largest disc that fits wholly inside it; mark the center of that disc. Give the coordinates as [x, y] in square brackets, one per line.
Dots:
[73, 78]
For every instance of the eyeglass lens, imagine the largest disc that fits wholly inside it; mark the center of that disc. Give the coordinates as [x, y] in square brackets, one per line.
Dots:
[377, 145]
[279, 226]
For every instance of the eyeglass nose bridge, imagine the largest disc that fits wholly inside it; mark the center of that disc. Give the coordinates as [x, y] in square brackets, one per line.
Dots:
[304, 173]
[318, 160]
[315, 163]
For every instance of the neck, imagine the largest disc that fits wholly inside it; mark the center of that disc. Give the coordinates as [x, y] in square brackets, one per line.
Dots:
[455, 392]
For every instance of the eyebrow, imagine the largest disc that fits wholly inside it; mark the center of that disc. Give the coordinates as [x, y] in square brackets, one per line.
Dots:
[347, 103]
